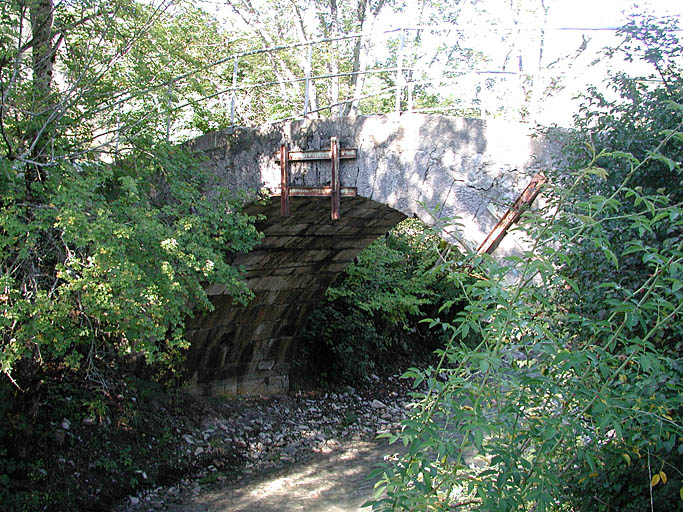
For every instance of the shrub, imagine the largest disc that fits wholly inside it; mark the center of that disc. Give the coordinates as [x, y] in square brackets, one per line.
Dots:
[371, 314]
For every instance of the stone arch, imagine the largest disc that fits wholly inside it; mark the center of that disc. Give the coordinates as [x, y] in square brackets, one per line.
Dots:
[248, 349]
[410, 165]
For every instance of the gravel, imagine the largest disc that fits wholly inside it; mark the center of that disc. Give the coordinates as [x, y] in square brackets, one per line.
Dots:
[267, 434]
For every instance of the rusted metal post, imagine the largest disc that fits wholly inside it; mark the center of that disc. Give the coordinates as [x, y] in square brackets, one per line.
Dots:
[284, 182]
[334, 154]
[335, 191]
[513, 214]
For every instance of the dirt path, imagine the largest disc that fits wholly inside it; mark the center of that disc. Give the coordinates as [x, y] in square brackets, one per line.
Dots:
[334, 482]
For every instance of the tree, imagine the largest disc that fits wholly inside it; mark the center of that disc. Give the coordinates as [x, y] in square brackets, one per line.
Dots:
[276, 23]
[106, 233]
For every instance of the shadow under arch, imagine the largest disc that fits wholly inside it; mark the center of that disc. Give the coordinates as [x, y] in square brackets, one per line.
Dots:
[405, 166]
[248, 349]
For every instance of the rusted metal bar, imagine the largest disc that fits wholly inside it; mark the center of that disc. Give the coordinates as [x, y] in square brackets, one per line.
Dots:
[284, 185]
[335, 191]
[317, 154]
[318, 192]
[334, 150]
[513, 214]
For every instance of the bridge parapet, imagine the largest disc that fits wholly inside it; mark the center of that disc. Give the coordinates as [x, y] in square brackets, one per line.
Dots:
[413, 163]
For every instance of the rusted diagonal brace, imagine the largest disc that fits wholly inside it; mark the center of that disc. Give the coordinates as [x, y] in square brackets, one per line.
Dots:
[284, 182]
[336, 198]
[513, 214]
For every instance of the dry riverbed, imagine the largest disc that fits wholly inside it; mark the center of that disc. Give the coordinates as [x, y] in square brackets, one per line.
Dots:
[302, 452]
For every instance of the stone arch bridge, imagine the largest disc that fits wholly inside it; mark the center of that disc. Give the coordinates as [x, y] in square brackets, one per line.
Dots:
[429, 166]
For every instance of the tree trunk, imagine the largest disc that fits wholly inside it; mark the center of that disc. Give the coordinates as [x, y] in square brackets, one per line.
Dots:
[43, 59]
[333, 64]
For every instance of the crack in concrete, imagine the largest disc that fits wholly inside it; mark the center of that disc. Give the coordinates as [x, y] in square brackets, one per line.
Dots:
[431, 160]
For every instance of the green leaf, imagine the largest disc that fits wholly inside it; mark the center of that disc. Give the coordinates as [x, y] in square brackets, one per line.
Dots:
[611, 256]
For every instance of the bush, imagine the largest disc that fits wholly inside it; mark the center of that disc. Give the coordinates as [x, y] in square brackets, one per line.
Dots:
[110, 259]
[575, 389]
[370, 316]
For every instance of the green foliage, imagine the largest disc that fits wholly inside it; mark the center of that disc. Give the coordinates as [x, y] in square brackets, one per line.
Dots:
[372, 312]
[578, 372]
[112, 256]
[106, 235]
[392, 277]
[621, 487]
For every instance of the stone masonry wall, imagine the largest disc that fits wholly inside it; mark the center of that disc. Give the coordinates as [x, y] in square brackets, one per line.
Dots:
[431, 167]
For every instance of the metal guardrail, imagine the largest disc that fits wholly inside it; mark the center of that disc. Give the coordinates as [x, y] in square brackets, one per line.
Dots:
[402, 89]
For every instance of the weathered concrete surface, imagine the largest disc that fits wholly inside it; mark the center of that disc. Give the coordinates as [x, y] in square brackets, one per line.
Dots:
[464, 166]
[432, 167]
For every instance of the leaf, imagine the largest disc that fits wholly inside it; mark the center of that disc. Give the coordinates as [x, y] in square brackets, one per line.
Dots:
[663, 477]
[623, 154]
[597, 171]
[661, 158]
[611, 256]
[681, 493]
[655, 480]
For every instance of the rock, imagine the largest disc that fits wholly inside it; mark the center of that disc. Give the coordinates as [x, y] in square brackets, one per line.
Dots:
[266, 364]
[268, 435]
[376, 404]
